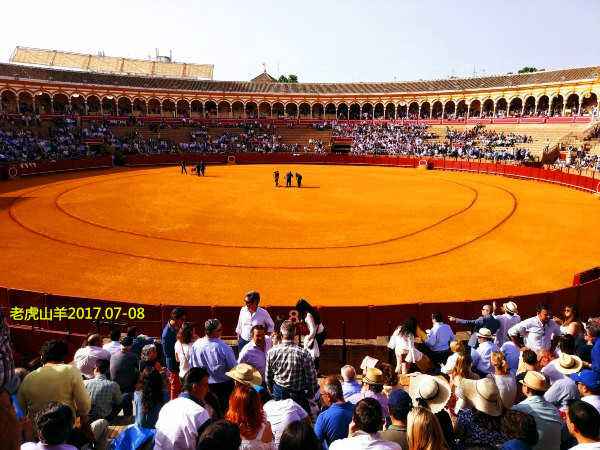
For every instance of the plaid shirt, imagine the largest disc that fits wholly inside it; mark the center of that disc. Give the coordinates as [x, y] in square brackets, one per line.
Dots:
[104, 394]
[7, 364]
[291, 367]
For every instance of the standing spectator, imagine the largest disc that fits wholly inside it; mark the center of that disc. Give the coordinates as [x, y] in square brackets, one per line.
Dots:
[298, 436]
[149, 397]
[594, 331]
[280, 413]
[438, 340]
[186, 336]
[546, 416]
[486, 320]
[218, 358]
[506, 382]
[251, 315]
[349, 385]
[55, 381]
[316, 336]
[364, 429]
[255, 352]
[399, 405]
[169, 337]
[588, 384]
[538, 332]
[508, 318]
[221, 435]
[86, 357]
[424, 431]
[10, 428]
[403, 343]
[124, 370]
[372, 388]
[521, 429]
[247, 413]
[332, 424]
[114, 345]
[182, 420]
[54, 424]
[290, 370]
[486, 347]
[105, 395]
[583, 422]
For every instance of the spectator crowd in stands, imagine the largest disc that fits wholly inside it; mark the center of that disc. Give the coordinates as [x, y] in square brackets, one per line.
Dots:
[516, 384]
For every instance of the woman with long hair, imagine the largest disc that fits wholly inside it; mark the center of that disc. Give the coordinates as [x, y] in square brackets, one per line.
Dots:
[316, 336]
[572, 324]
[149, 398]
[456, 347]
[390, 378]
[403, 343]
[506, 382]
[185, 338]
[246, 411]
[424, 431]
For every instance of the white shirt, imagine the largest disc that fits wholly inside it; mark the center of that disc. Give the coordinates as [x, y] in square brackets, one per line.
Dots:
[178, 424]
[253, 355]
[485, 351]
[113, 347]
[361, 440]
[536, 335]
[247, 320]
[586, 446]
[506, 323]
[450, 363]
[593, 400]
[281, 413]
[552, 372]
[183, 353]
[439, 337]
[507, 386]
[86, 357]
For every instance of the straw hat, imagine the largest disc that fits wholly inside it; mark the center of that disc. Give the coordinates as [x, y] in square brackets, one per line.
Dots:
[568, 364]
[482, 394]
[435, 391]
[373, 376]
[511, 307]
[246, 374]
[485, 333]
[535, 380]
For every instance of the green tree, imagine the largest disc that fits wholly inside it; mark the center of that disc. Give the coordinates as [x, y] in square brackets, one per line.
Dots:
[289, 79]
[283, 79]
[529, 70]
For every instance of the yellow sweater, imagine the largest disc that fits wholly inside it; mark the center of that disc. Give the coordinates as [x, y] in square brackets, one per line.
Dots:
[53, 383]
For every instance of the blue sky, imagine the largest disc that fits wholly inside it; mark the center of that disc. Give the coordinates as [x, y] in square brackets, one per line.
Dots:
[320, 41]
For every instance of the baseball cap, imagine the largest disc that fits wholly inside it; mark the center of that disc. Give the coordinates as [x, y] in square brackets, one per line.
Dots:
[589, 378]
[399, 399]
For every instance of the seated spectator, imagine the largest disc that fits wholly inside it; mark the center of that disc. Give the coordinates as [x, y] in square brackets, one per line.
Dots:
[139, 340]
[280, 413]
[566, 364]
[332, 424]
[124, 370]
[462, 369]
[391, 381]
[424, 431]
[512, 354]
[506, 382]
[349, 384]
[149, 398]
[546, 416]
[372, 388]
[521, 430]
[149, 358]
[186, 336]
[220, 435]
[564, 388]
[486, 347]
[298, 436]
[105, 394]
[456, 347]
[399, 405]
[246, 411]
[114, 345]
[182, 420]
[585, 350]
[363, 432]
[530, 362]
[588, 384]
[245, 375]
[54, 424]
[583, 422]
[85, 358]
[480, 422]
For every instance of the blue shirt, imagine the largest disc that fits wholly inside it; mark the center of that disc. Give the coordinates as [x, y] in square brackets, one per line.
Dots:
[139, 343]
[169, 337]
[596, 355]
[148, 419]
[332, 424]
[439, 337]
[214, 355]
[350, 388]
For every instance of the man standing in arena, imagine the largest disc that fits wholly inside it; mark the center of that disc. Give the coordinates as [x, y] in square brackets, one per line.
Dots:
[298, 179]
[202, 167]
[183, 169]
[276, 177]
[198, 168]
[288, 179]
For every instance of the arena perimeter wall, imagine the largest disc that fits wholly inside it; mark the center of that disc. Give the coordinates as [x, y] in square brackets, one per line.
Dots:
[349, 322]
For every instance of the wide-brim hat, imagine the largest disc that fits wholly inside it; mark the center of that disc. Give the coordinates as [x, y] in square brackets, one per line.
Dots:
[568, 364]
[482, 394]
[535, 380]
[511, 307]
[373, 376]
[435, 391]
[485, 333]
[246, 374]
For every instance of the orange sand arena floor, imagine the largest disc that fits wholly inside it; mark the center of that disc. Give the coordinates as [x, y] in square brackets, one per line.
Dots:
[351, 236]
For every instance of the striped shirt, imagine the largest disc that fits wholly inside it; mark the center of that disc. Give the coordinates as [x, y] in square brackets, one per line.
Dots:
[291, 367]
